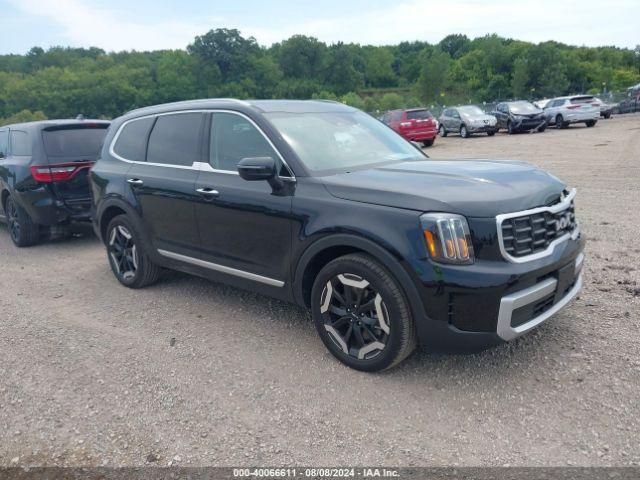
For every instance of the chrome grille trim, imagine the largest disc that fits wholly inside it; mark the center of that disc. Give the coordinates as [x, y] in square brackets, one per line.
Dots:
[561, 206]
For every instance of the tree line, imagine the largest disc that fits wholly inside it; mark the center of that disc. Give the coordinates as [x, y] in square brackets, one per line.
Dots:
[64, 82]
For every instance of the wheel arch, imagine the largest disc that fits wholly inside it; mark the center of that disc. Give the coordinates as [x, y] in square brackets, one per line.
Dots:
[111, 208]
[322, 251]
[3, 198]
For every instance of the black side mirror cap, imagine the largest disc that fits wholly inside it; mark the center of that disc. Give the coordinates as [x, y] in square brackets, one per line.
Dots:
[260, 168]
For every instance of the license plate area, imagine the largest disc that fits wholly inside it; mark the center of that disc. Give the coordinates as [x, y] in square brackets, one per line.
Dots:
[566, 277]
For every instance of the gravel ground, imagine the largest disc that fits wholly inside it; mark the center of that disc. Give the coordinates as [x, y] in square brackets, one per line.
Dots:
[190, 372]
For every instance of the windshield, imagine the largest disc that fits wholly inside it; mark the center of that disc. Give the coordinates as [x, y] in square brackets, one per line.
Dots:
[523, 107]
[335, 141]
[470, 110]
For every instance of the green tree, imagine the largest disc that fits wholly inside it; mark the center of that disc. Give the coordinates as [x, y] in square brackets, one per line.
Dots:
[303, 57]
[435, 66]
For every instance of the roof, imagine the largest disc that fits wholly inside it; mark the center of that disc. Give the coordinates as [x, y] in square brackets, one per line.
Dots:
[52, 123]
[263, 106]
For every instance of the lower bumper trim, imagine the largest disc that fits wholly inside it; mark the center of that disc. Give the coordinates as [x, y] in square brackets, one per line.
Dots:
[529, 295]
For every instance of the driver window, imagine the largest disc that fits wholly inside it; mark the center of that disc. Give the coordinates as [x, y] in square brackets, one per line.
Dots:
[233, 138]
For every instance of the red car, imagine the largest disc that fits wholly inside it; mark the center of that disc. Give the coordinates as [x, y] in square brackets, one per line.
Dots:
[414, 124]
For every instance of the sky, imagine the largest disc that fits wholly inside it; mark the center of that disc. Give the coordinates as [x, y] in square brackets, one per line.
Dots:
[116, 25]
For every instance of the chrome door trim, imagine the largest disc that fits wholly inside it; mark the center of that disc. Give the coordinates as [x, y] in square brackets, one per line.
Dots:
[221, 268]
[200, 166]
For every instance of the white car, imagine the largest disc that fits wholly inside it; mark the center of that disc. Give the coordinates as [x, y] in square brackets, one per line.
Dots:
[563, 111]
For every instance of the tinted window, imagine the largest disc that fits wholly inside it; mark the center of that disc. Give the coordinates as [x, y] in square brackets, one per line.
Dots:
[74, 141]
[396, 116]
[132, 141]
[418, 115]
[175, 139]
[4, 143]
[233, 138]
[20, 144]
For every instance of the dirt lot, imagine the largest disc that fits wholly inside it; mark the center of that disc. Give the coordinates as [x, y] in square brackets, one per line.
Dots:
[89, 375]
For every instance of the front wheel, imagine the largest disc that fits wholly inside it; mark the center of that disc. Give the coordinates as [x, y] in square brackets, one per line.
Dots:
[361, 314]
[127, 255]
[590, 123]
[510, 128]
[24, 231]
[560, 122]
[442, 131]
[491, 133]
[464, 133]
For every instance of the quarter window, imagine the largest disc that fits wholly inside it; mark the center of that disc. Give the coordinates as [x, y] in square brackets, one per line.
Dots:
[132, 141]
[20, 145]
[4, 143]
[233, 138]
[175, 139]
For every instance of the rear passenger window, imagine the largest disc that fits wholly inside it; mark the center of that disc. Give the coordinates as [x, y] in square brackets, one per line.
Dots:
[20, 144]
[175, 139]
[233, 138]
[4, 143]
[132, 141]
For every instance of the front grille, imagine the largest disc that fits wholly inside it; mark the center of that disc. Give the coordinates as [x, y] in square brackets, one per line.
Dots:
[530, 234]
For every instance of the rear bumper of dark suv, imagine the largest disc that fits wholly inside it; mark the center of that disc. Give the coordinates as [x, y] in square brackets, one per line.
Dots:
[44, 208]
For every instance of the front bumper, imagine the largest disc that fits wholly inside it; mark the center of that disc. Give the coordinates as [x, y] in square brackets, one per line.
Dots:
[559, 295]
[482, 128]
[472, 307]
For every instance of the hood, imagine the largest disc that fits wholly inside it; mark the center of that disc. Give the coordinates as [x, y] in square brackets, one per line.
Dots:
[474, 188]
[481, 117]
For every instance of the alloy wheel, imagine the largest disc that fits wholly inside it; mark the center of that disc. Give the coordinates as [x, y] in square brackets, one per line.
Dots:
[123, 252]
[12, 220]
[355, 316]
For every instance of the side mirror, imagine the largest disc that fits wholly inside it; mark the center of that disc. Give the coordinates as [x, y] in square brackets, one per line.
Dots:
[260, 168]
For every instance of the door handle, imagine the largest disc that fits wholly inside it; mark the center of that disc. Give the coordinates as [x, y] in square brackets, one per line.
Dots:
[208, 191]
[134, 181]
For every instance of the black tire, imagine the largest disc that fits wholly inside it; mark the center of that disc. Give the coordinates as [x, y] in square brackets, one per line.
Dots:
[491, 133]
[387, 341]
[23, 231]
[442, 131]
[510, 128]
[542, 128]
[428, 143]
[464, 132]
[590, 123]
[607, 116]
[560, 122]
[128, 257]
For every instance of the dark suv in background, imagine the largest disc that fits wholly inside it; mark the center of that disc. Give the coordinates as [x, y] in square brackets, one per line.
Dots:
[321, 204]
[44, 175]
[520, 116]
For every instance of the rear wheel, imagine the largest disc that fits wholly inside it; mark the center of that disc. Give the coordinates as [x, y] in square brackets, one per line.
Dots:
[361, 314]
[127, 255]
[590, 123]
[464, 133]
[442, 131]
[428, 143]
[24, 232]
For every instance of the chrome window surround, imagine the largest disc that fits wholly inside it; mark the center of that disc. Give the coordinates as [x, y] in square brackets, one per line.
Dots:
[532, 294]
[221, 268]
[200, 166]
[558, 207]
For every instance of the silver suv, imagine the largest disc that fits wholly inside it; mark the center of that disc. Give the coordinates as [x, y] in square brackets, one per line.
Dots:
[563, 111]
[466, 120]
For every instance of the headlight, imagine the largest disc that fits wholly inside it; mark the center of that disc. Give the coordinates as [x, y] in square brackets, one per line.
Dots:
[447, 237]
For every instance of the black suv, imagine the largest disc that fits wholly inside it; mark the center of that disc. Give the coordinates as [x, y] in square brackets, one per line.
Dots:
[44, 174]
[519, 116]
[318, 203]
